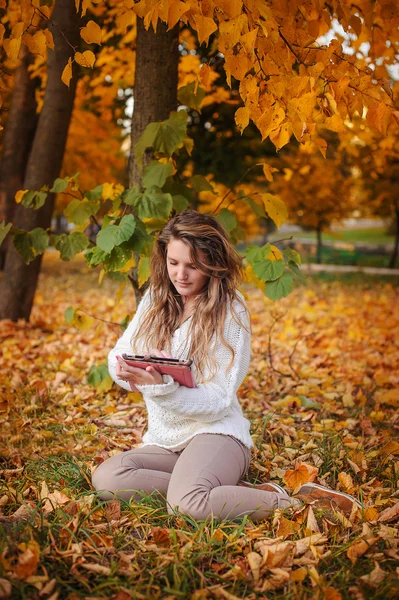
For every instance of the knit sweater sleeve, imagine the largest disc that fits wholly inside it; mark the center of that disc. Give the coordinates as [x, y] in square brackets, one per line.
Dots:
[209, 401]
[124, 344]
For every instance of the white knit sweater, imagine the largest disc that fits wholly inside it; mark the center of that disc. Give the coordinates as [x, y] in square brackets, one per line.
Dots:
[177, 413]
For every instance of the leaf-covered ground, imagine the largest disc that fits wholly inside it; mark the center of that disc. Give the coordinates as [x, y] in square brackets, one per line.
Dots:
[322, 395]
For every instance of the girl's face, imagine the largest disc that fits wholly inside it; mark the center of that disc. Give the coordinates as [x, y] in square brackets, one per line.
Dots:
[187, 280]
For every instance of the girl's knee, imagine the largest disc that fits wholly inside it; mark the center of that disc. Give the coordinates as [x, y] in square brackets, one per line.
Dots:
[194, 504]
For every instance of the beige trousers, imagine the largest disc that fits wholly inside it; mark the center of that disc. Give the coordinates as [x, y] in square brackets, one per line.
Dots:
[199, 481]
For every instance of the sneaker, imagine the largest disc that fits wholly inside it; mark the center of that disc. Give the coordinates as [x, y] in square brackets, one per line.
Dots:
[268, 487]
[326, 498]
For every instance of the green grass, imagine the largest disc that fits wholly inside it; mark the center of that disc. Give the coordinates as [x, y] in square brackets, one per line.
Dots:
[377, 235]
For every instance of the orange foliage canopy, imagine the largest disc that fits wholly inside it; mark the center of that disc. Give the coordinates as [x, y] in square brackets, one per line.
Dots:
[299, 64]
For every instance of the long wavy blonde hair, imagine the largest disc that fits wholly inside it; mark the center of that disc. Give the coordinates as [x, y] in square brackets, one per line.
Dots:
[205, 237]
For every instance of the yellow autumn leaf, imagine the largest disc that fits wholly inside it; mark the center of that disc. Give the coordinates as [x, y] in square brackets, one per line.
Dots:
[36, 43]
[176, 10]
[85, 59]
[242, 118]
[302, 473]
[83, 322]
[49, 38]
[346, 481]
[357, 549]
[275, 208]
[12, 48]
[268, 170]
[250, 277]
[248, 40]
[389, 397]
[275, 254]
[18, 29]
[67, 72]
[111, 191]
[205, 27]
[126, 19]
[91, 33]
[19, 195]
[238, 66]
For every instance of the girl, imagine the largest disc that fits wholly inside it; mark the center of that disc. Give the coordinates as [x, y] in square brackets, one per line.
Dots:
[197, 445]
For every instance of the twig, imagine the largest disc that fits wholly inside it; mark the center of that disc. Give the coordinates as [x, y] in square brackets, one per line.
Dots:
[291, 48]
[57, 27]
[282, 240]
[99, 319]
[260, 65]
[232, 188]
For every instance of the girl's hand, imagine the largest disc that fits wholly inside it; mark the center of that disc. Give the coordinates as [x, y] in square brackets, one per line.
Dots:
[149, 376]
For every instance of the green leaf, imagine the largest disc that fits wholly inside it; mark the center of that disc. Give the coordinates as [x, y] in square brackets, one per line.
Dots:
[4, 229]
[268, 270]
[78, 211]
[69, 314]
[200, 184]
[309, 403]
[257, 253]
[164, 137]
[256, 208]
[117, 259]
[291, 255]
[99, 378]
[227, 219]
[114, 235]
[39, 240]
[30, 244]
[156, 173]
[125, 322]
[23, 246]
[34, 200]
[180, 203]
[69, 245]
[279, 288]
[141, 242]
[152, 204]
[95, 256]
[60, 185]
[143, 270]
[295, 269]
[175, 188]
[94, 194]
[187, 96]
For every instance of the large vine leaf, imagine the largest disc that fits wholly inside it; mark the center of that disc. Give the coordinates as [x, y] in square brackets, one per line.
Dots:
[151, 204]
[78, 211]
[280, 288]
[70, 244]
[191, 95]
[227, 219]
[156, 173]
[164, 137]
[30, 244]
[113, 235]
[4, 229]
[31, 199]
[268, 270]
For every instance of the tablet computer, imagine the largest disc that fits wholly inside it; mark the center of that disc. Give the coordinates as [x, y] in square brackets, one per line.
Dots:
[179, 369]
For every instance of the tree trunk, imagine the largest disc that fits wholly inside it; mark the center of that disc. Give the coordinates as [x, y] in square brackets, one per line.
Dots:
[155, 95]
[155, 88]
[18, 285]
[17, 142]
[394, 254]
[319, 245]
